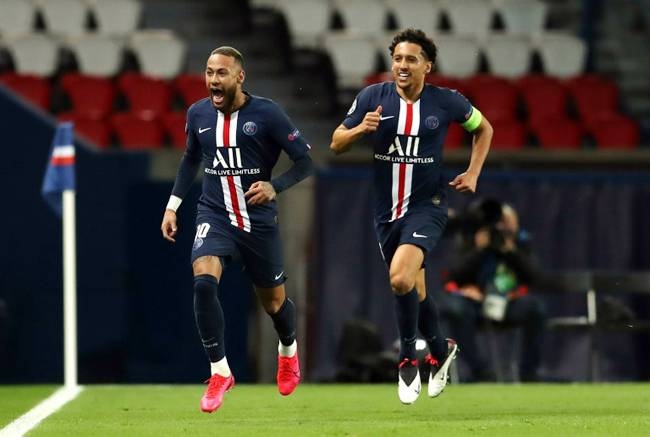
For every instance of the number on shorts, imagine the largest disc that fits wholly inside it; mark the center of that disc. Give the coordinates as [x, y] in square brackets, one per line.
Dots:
[202, 230]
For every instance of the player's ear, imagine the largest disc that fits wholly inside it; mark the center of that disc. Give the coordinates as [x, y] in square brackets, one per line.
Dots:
[429, 67]
[241, 77]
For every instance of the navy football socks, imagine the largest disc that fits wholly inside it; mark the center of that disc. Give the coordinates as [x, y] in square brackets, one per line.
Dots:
[430, 328]
[406, 306]
[284, 321]
[209, 316]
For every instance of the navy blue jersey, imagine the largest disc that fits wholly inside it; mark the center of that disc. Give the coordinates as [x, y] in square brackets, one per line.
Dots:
[408, 144]
[237, 150]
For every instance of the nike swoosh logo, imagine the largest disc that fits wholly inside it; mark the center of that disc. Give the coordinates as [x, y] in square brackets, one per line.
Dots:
[416, 235]
[381, 117]
[203, 129]
[279, 275]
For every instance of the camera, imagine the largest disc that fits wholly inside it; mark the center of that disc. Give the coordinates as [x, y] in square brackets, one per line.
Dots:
[480, 214]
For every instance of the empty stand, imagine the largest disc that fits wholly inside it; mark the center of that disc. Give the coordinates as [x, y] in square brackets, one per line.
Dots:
[159, 53]
[544, 97]
[307, 20]
[508, 55]
[616, 132]
[97, 132]
[497, 100]
[65, 17]
[446, 82]
[457, 55]
[190, 87]
[563, 55]
[34, 89]
[366, 17]
[148, 97]
[559, 133]
[509, 135]
[116, 17]
[98, 55]
[419, 14]
[594, 96]
[523, 17]
[36, 54]
[174, 125]
[469, 17]
[17, 17]
[353, 56]
[134, 133]
[455, 136]
[91, 97]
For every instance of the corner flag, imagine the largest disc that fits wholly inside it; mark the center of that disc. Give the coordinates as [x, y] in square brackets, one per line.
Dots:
[60, 174]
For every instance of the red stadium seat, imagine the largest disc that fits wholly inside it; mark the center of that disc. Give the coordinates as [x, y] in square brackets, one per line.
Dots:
[445, 81]
[373, 78]
[594, 96]
[495, 97]
[558, 133]
[34, 89]
[545, 97]
[509, 135]
[174, 125]
[191, 87]
[617, 132]
[148, 97]
[91, 96]
[135, 133]
[95, 131]
[455, 136]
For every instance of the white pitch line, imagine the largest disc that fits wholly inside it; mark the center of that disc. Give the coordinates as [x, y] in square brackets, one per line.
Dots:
[33, 417]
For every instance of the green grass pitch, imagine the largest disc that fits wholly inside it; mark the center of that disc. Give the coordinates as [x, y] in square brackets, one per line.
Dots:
[342, 410]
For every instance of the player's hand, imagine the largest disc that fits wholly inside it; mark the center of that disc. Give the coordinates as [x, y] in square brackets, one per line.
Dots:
[465, 182]
[370, 122]
[260, 192]
[168, 226]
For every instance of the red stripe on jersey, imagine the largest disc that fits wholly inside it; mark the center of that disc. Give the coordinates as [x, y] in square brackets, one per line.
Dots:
[231, 180]
[400, 190]
[409, 119]
[62, 160]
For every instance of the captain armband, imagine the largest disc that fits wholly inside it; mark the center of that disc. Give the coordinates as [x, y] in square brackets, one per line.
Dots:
[473, 121]
[174, 202]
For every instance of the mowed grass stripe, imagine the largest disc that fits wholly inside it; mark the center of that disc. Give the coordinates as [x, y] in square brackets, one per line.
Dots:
[503, 410]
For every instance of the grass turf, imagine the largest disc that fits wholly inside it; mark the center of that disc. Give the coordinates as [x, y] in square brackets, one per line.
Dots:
[350, 410]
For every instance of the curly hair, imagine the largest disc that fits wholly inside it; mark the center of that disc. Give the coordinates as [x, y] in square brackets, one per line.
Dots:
[416, 36]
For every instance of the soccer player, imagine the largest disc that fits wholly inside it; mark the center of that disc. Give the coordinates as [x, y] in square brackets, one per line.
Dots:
[406, 121]
[238, 137]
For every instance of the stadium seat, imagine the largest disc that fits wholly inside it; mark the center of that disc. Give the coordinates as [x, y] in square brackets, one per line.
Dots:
[98, 55]
[469, 17]
[455, 136]
[418, 14]
[508, 55]
[497, 101]
[148, 97]
[523, 17]
[65, 17]
[34, 89]
[616, 132]
[508, 135]
[364, 17]
[307, 20]
[594, 96]
[353, 56]
[35, 53]
[174, 125]
[544, 97]
[563, 55]
[159, 53]
[91, 97]
[134, 133]
[116, 17]
[558, 133]
[446, 82]
[457, 55]
[17, 17]
[190, 87]
[97, 132]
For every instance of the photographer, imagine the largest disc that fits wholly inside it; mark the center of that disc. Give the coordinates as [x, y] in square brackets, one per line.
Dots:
[490, 281]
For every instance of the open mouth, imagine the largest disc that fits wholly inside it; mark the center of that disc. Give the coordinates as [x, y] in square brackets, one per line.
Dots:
[217, 96]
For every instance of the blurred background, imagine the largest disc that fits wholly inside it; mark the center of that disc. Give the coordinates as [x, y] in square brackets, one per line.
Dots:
[565, 83]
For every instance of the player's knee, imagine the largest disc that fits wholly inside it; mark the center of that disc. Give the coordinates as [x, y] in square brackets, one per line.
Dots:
[401, 283]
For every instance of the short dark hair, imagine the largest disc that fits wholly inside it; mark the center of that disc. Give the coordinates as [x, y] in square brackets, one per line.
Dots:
[416, 36]
[229, 51]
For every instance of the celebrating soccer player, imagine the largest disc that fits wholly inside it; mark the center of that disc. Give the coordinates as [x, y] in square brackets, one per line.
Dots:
[406, 121]
[238, 138]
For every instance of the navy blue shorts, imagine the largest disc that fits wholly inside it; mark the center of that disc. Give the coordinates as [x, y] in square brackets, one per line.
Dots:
[260, 250]
[422, 227]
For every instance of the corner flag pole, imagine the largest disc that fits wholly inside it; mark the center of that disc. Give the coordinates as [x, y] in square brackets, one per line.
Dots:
[69, 289]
